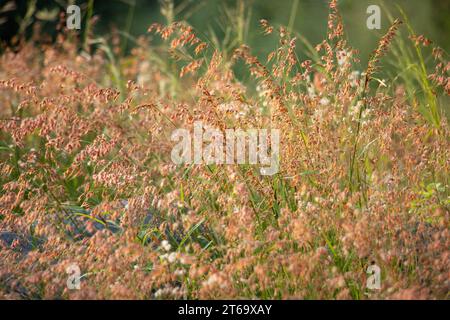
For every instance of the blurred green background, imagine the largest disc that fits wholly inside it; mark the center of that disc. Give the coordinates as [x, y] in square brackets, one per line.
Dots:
[307, 17]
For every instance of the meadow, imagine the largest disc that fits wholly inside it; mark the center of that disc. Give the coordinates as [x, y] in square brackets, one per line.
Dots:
[88, 187]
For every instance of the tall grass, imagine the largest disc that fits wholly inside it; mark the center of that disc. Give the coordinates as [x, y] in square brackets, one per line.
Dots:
[86, 176]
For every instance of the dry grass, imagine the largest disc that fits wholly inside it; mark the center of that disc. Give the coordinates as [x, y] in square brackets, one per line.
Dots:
[86, 175]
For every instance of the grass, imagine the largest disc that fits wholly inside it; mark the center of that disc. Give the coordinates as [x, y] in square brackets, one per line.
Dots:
[86, 175]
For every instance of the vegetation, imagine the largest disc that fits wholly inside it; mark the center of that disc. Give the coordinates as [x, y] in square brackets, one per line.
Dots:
[86, 176]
